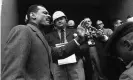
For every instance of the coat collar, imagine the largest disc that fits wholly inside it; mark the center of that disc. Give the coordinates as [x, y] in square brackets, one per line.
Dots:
[33, 26]
[67, 32]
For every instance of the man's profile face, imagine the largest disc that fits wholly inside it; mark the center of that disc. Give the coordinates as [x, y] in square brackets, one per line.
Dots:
[124, 47]
[42, 16]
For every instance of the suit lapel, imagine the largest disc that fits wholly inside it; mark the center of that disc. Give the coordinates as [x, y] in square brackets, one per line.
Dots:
[40, 35]
[56, 35]
[67, 33]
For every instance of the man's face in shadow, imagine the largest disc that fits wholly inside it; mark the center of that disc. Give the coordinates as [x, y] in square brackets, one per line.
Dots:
[124, 47]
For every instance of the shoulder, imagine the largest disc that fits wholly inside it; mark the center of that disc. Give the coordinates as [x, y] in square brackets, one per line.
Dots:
[17, 32]
[19, 29]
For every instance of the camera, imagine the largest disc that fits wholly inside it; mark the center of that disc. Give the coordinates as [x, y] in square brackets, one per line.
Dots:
[92, 32]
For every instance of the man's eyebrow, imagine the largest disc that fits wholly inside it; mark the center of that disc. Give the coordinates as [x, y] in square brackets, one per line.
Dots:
[46, 12]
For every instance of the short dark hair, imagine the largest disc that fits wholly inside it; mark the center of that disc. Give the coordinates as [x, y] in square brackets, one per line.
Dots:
[32, 8]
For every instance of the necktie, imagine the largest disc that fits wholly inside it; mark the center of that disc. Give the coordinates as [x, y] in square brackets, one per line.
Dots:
[62, 36]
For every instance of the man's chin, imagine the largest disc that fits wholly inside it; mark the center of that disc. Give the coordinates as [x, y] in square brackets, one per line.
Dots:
[46, 24]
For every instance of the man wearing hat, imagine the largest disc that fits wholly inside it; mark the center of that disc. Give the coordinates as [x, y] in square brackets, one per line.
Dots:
[70, 68]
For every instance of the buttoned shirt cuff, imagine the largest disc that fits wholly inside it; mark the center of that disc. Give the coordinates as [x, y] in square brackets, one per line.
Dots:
[76, 42]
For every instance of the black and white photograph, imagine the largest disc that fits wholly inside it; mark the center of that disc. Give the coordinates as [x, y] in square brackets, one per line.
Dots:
[66, 39]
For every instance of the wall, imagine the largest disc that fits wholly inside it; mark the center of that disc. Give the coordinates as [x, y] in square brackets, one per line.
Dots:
[122, 9]
[8, 20]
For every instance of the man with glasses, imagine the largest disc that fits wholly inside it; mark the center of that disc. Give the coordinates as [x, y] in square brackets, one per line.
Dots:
[100, 26]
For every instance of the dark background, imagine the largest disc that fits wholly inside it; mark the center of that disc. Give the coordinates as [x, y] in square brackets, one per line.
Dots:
[76, 10]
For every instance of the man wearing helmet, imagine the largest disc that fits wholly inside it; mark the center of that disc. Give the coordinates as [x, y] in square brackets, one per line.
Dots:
[72, 70]
[71, 23]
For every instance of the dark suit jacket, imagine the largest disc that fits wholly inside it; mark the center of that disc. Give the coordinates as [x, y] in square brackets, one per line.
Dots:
[74, 71]
[53, 38]
[27, 54]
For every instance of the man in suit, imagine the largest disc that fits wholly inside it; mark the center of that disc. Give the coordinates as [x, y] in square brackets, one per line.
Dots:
[27, 53]
[106, 31]
[72, 70]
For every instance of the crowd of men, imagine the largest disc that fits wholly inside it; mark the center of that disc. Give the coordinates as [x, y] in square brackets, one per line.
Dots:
[84, 53]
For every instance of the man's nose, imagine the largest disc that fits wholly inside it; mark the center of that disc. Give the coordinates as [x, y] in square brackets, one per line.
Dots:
[48, 16]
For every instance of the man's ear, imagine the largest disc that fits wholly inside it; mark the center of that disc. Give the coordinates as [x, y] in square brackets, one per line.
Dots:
[33, 15]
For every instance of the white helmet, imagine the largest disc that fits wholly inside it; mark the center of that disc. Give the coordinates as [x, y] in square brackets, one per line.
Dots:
[71, 23]
[58, 14]
[99, 21]
[130, 19]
